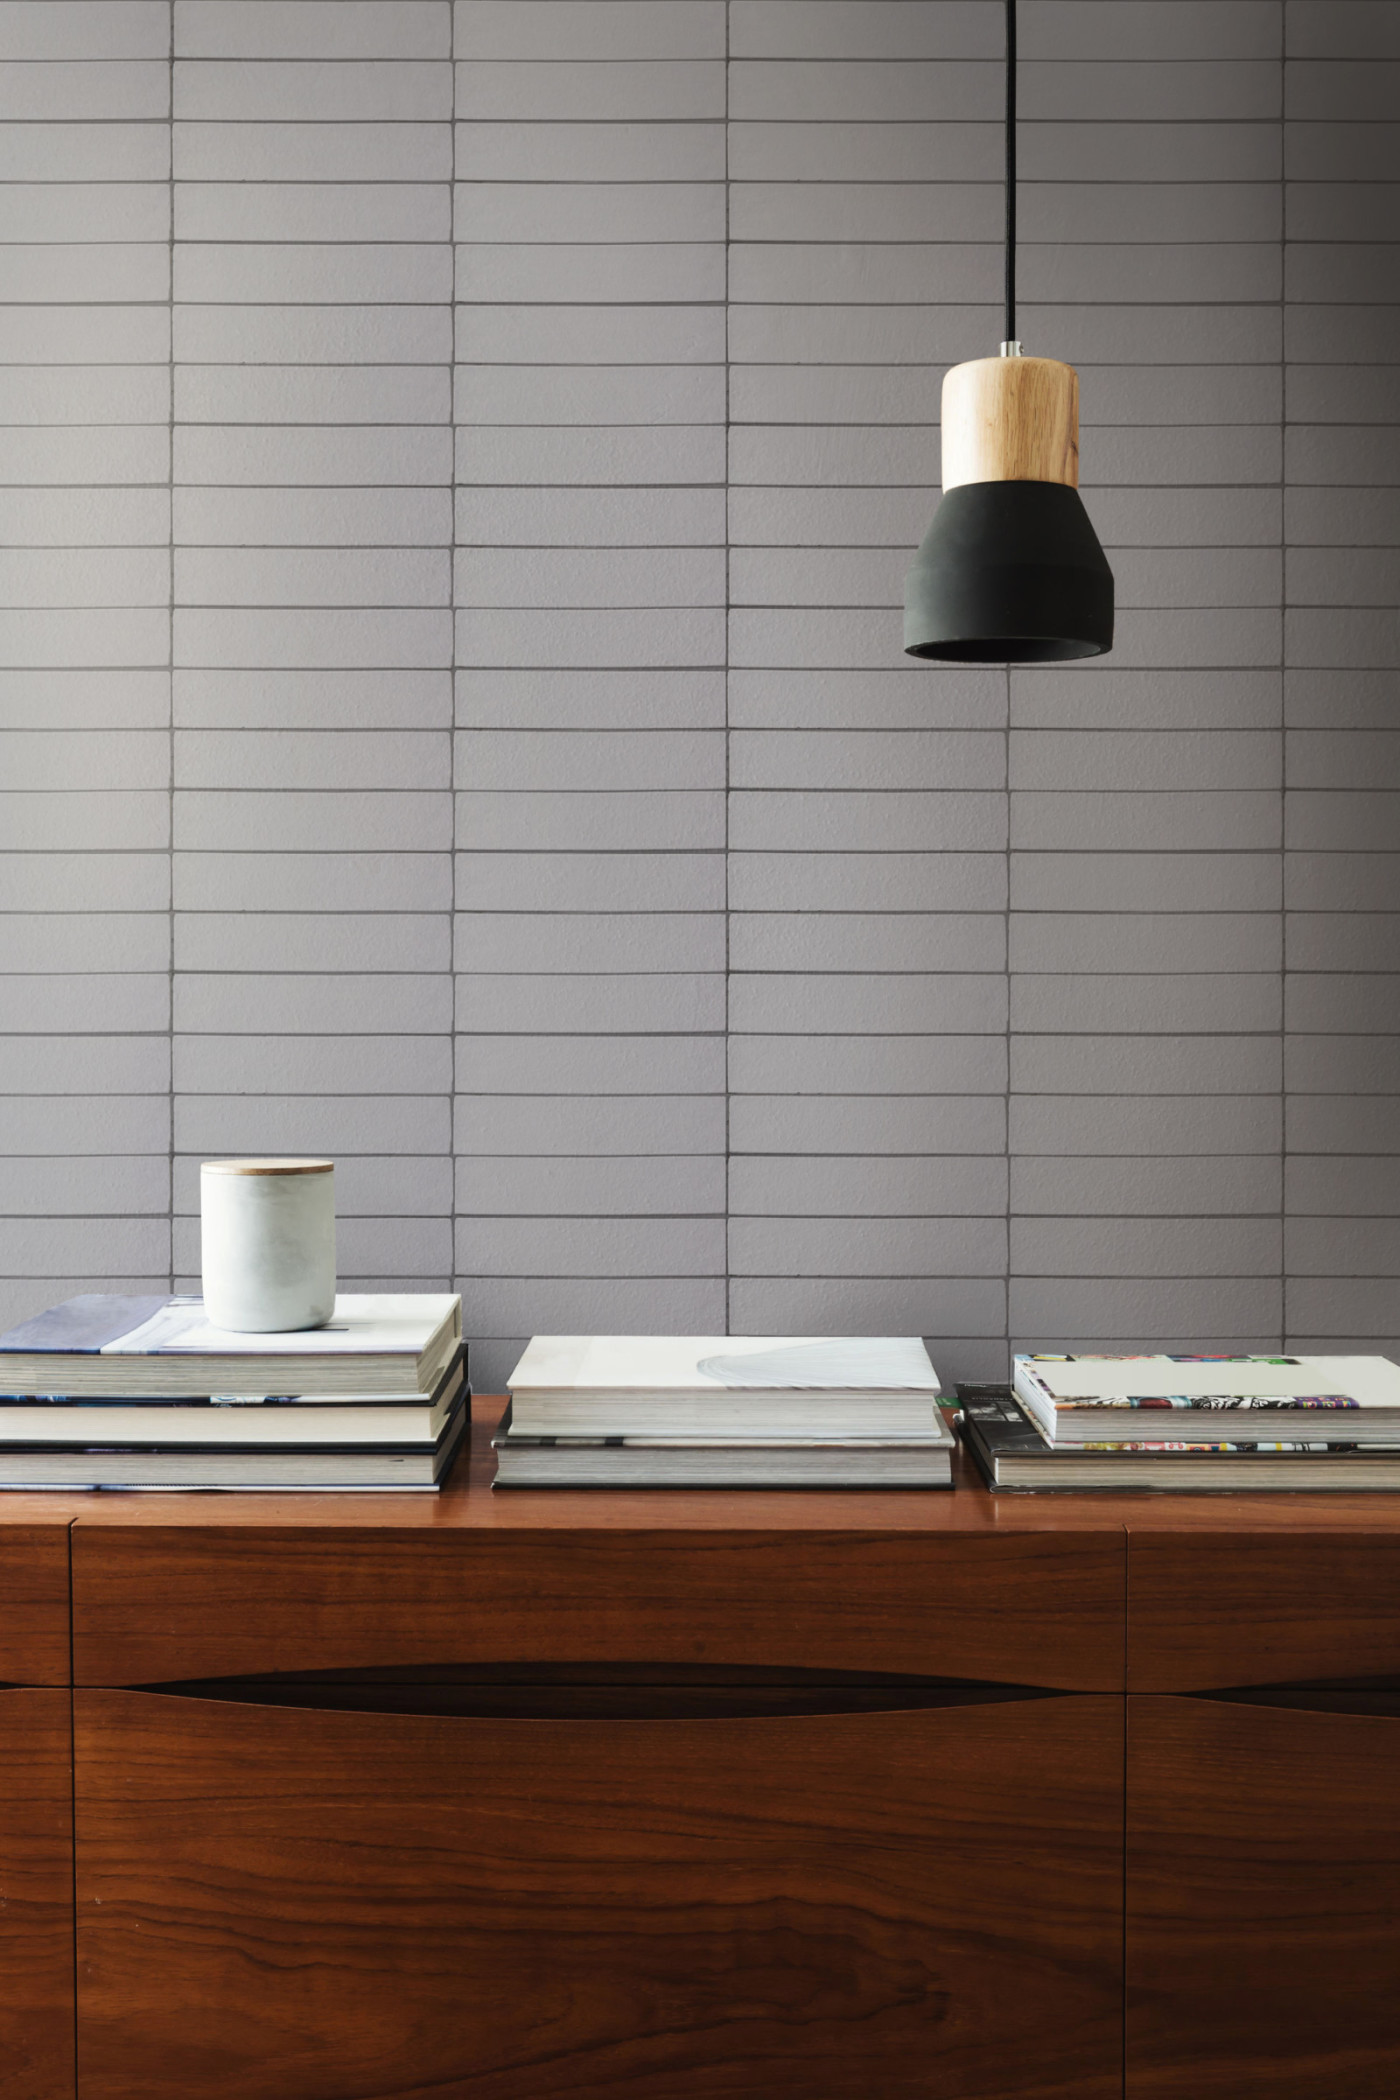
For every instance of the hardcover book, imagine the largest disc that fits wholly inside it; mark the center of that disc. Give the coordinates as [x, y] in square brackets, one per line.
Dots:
[720, 1461]
[1011, 1453]
[88, 1347]
[1092, 1399]
[400, 1420]
[725, 1385]
[238, 1466]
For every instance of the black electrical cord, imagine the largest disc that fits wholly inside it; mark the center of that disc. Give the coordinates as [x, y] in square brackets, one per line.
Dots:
[1010, 335]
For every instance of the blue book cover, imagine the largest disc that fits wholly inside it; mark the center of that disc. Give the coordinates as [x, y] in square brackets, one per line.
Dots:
[83, 1326]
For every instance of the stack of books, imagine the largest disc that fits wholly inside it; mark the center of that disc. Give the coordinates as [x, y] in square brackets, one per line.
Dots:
[109, 1392]
[1188, 1423]
[723, 1411]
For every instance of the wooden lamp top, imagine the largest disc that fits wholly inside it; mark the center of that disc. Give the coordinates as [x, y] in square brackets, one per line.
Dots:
[1011, 419]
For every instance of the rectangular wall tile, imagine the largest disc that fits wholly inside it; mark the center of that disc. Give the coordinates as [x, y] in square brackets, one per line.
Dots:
[590, 403]
[460, 461]
[85, 645]
[312, 591]
[1344, 528]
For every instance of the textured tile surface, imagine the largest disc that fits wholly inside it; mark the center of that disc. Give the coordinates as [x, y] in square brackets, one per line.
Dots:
[460, 462]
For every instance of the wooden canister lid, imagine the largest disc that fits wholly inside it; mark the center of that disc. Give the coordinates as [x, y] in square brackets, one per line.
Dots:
[267, 1166]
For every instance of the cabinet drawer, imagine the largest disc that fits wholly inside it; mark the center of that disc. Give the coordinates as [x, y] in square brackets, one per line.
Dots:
[36, 1896]
[1210, 1610]
[1263, 1891]
[278, 1904]
[34, 1644]
[153, 1605]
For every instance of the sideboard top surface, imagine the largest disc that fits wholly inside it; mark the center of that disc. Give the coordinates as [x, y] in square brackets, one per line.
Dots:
[470, 1503]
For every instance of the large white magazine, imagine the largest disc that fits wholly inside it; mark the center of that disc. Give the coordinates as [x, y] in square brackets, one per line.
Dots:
[1209, 1400]
[736, 1387]
[660, 1363]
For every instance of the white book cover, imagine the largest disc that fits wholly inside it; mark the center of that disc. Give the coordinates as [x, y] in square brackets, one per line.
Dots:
[655, 1363]
[1363, 1381]
[379, 1323]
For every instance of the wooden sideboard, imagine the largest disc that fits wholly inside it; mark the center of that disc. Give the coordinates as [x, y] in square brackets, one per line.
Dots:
[667, 1795]
[36, 1801]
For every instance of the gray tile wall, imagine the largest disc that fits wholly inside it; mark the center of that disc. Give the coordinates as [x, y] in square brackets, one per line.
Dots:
[458, 469]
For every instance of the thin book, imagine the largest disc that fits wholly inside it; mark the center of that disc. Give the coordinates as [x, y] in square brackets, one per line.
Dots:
[100, 1346]
[729, 1386]
[334, 1470]
[1208, 1400]
[1012, 1454]
[723, 1462]
[402, 1421]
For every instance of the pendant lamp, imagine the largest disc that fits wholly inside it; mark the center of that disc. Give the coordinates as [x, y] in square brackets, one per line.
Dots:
[1010, 571]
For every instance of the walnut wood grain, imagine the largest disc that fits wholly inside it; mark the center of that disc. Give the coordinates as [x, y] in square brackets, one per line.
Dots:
[1263, 1891]
[211, 1586]
[36, 1895]
[34, 1646]
[1216, 1609]
[287, 1906]
[177, 1585]
[152, 1605]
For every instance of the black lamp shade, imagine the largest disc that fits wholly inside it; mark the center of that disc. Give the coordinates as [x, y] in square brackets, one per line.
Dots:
[1009, 572]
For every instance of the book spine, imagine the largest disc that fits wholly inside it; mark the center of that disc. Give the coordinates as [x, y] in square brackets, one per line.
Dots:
[982, 1457]
[1036, 1402]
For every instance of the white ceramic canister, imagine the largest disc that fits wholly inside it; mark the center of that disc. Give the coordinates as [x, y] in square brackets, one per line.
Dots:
[268, 1231]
